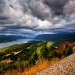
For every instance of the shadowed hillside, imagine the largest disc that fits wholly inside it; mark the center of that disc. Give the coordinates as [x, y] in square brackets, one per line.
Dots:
[66, 37]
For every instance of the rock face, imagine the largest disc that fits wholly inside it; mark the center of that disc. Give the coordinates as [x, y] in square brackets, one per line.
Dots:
[64, 67]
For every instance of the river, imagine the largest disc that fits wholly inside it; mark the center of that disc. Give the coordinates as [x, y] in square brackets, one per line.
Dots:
[14, 42]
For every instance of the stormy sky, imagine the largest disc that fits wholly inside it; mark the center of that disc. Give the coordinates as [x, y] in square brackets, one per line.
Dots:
[34, 17]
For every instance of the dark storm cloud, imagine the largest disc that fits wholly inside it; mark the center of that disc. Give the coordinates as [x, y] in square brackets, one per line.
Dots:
[5, 20]
[44, 9]
[35, 7]
[16, 27]
[56, 5]
[39, 9]
[4, 17]
[2, 6]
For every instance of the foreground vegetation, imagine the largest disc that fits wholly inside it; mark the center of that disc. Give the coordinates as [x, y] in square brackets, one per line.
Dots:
[20, 57]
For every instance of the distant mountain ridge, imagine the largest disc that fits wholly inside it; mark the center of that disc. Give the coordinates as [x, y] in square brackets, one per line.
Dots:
[66, 37]
[9, 38]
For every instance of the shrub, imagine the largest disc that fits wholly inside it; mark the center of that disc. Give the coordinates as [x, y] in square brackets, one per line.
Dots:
[68, 51]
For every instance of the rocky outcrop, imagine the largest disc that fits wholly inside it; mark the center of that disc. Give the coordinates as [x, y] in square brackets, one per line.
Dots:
[64, 67]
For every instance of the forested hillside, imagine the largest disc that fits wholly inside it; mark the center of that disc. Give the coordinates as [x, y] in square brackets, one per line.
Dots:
[20, 57]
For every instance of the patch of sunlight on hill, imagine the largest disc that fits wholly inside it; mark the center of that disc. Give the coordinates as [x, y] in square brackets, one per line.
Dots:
[35, 68]
[40, 66]
[12, 72]
[49, 44]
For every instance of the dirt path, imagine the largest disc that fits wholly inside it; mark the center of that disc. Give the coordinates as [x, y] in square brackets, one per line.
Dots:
[64, 67]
